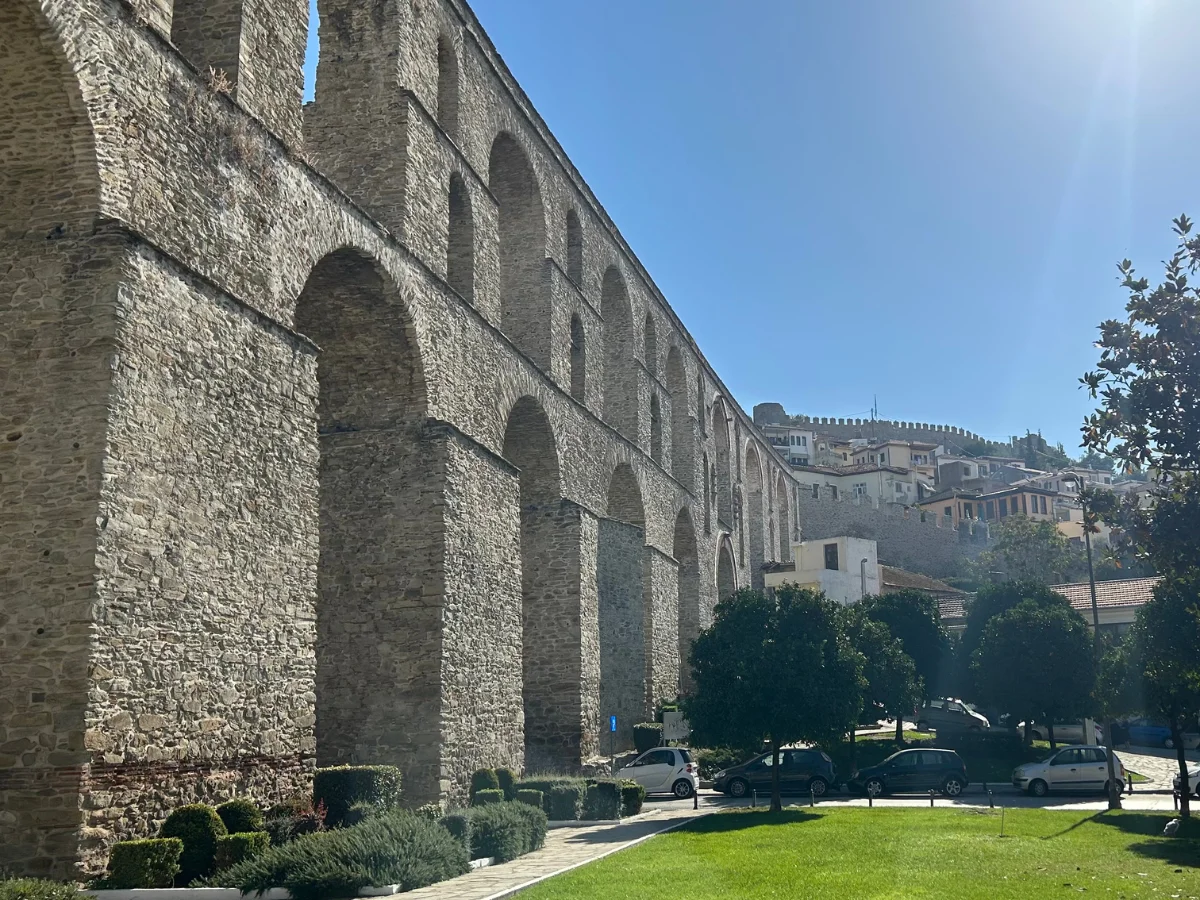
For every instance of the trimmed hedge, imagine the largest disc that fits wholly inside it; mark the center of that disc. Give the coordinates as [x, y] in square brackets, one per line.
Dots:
[546, 784]
[566, 800]
[198, 826]
[459, 826]
[152, 863]
[633, 795]
[647, 736]
[36, 889]
[505, 831]
[237, 848]
[341, 787]
[489, 795]
[603, 801]
[241, 816]
[530, 797]
[507, 780]
[484, 780]
[396, 847]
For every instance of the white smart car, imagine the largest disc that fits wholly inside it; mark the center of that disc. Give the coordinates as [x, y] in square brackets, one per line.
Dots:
[1193, 781]
[664, 770]
[1070, 769]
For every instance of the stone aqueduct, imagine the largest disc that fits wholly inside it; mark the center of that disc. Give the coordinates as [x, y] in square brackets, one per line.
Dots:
[346, 433]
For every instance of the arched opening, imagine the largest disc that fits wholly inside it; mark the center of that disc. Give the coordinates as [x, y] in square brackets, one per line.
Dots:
[686, 555]
[621, 575]
[209, 34]
[460, 250]
[574, 249]
[783, 512]
[377, 697]
[548, 665]
[524, 302]
[578, 360]
[707, 498]
[620, 386]
[723, 484]
[447, 87]
[755, 520]
[655, 429]
[57, 296]
[682, 438]
[726, 573]
[651, 342]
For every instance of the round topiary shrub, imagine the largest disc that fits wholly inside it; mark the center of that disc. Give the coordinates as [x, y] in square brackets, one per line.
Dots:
[240, 816]
[198, 826]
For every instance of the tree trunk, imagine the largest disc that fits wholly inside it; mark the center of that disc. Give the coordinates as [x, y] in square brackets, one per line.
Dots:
[1114, 789]
[1185, 807]
[776, 800]
[1050, 733]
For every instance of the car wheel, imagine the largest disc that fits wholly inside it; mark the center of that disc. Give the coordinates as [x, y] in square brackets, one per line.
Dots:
[874, 787]
[1039, 788]
[738, 788]
[953, 786]
[682, 789]
[818, 787]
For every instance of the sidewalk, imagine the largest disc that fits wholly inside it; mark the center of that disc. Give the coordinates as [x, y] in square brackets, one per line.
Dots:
[565, 849]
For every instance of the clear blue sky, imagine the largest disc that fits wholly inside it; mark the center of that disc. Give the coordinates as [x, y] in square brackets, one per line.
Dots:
[923, 200]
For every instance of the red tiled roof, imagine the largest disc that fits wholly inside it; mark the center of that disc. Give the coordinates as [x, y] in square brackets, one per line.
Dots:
[1130, 592]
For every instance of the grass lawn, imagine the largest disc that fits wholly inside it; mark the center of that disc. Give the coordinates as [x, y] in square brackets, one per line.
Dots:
[854, 853]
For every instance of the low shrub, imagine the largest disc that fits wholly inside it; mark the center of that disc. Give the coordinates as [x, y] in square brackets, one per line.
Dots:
[490, 795]
[507, 780]
[236, 848]
[36, 889]
[151, 863]
[484, 780]
[241, 816]
[198, 826]
[566, 800]
[633, 795]
[396, 847]
[530, 797]
[603, 801]
[341, 787]
[647, 736]
[459, 826]
[505, 831]
[546, 784]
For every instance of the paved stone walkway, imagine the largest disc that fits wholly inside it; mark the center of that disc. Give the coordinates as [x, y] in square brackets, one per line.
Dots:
[565, 849]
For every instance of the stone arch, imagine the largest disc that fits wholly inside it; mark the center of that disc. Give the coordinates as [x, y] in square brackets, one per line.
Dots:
[755, 519]
[726, 570]
[620, 384]
[783, 513]
[447, 87]
[722, 484]
[574, 248]
[650, 338]
[656, 449]
[460, 251]
[687, 557]
[58, 285]
[578, 360]
[379, 535]
[524, 301]
[621, 576]
[682, 439]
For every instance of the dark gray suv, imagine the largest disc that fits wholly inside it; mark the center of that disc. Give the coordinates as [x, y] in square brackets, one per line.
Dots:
[800, 771]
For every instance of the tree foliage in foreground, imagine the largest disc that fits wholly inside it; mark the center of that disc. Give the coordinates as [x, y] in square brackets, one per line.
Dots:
[776, 670]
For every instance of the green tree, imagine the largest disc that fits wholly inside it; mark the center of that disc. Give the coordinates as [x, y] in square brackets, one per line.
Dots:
[777, 670]
[893, 685]
[1166, 638]
[913, 618]
[1036, 662]
[1026, 549]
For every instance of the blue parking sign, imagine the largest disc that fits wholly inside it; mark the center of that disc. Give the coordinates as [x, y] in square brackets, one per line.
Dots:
[612, 723]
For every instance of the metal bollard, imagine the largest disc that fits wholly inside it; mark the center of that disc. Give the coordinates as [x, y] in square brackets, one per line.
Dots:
[931, 798]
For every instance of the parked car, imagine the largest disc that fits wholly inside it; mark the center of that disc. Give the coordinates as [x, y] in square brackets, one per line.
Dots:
[800, 771]
[1193, 781]
[1071, 769]
[1064, 732]
[947, 714]
[1147, 733]
[664, 770]
[906, 771]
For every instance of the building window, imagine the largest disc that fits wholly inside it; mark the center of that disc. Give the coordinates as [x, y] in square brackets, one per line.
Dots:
[831, 557]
